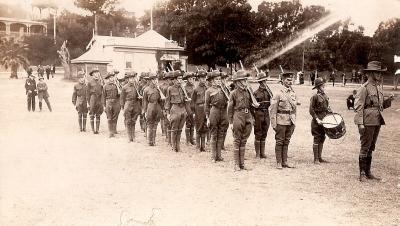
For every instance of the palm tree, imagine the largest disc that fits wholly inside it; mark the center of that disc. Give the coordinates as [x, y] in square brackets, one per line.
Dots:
[13, 55]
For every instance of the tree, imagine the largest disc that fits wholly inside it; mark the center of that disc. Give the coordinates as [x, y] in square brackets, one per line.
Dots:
[96, 7]
[13, 55]
[386, 41]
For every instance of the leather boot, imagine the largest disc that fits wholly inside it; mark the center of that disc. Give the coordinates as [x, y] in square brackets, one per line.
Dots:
[320, 147]
[84, 122]
[362, 165]
[110, 128]
[223, 142]
[203, 142]
[97, 124]
[242, 150]
[187, 133]
[115, 126]
[262, 149]
[220, 142]
[153, 136]
[178, 140]
[208, 135]
[40, 106]
[133, 131]
[129, 132]
[191, 133]
[214, 148]
[49, 106]
[80, 122]
[278, 155]
[198, 141]
[162, 127]
[169, 136]
[285, 156]
[257, 147]
[316, 151]
[368, 170]
[236, 155]
[149, 135]
[173, 140]
[92, 123]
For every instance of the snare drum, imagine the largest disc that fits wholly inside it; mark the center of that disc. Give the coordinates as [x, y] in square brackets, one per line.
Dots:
[334, 125]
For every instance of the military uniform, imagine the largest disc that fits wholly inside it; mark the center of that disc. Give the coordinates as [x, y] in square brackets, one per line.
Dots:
[112, 105]
[369, 104]
[240, 115]
[95, 93]
[31, 92]
[319, 108]
[152, 109]
[189, 130]
[176, 106]
[263, 96]
[79, 100]
[142, 85]
[216, 111]
[43, 94]
[198, 99]
[131, 104]
[283, 120]
[167, 125]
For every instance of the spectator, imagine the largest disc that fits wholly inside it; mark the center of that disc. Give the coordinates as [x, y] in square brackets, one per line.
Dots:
[344, 80]
[332, 77]
[53, 70]
[48, 71]
[396, 79]
[312, 78]
[350, 100]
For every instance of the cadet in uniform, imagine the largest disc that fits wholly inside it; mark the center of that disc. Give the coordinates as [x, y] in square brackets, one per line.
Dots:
[142, 85]
[130, 102]
[189, 87]
[283, 118]
[31, 91]
[216, 102]
[79, 100]
[164, 88]
[224, 77]
[240, 115]
[43, 94]
[152, 108]
[319, 108]
[369, 104]
[162, 83]
[263, 96]
[111, 102]
[176, 107]
[95, 92]
[198, 97]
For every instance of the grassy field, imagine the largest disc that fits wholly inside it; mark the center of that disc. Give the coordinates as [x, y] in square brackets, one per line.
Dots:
[51, 174]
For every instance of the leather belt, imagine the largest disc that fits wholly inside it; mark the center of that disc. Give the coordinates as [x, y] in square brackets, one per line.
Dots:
[262, 109]
[285, 112]
[245, 110]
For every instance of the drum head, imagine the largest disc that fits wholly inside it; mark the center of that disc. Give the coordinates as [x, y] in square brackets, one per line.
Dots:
[332, 120]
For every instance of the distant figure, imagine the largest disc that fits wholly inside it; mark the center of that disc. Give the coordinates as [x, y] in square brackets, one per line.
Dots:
[31, 91]
[344, 80]
[312, 78]
[353, 76]
[40, 70]
[29, 71]
[350, 100]
[332, 77]
[301, 77]
[43, 94]
[48, 71]
[53, 70]
[396, 79]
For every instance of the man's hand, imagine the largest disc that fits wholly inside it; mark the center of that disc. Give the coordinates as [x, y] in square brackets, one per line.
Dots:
[208, 122]
[361, 127]
[319, 121]
[168, 117]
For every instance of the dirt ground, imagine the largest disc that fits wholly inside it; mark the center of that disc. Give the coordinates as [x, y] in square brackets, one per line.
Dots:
[51, 174]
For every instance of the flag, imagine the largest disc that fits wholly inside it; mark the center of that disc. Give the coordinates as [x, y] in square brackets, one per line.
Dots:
[396, 59]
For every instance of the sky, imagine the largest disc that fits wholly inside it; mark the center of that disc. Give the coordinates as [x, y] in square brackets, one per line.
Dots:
[368, 13]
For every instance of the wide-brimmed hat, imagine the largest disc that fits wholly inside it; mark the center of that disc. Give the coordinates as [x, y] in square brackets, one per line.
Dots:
[285, 75]
[109, 74]
[130, 74]
[201, 73]
[151, 75]
[177, 74]
[318, 82]
[261, 77]
[375, 66]
[240, 75]
[80, 74]
[41, 77]
[187, 75]
[93, 71]
[213, 74]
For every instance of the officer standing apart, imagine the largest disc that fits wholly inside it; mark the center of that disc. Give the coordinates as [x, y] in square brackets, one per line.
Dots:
[198, 99]
[95, 92]
[43, 93]
[263, 96]
[176, 107]
[319, 108]
[216, 102]
[79, 100]
[189, 87]
[131, 103]
[283, 119]
[152, 110]
[239, 114]
[111, 102]
[369, 104]
[31, 91]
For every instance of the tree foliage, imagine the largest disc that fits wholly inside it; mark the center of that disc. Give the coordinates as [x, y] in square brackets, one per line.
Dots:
[13, 55]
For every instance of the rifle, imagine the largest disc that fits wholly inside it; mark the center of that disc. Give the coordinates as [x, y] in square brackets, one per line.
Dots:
[254, 101]
[266, 86]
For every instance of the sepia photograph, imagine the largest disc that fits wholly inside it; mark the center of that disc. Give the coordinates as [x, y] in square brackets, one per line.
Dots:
[199, 112]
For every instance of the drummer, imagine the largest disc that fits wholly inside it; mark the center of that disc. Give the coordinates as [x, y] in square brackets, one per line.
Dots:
[319, 108]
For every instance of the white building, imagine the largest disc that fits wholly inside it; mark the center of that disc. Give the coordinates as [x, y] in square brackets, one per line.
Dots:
[147, 52]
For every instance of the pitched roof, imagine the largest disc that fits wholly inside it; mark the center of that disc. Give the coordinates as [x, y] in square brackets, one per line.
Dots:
[92, 56]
